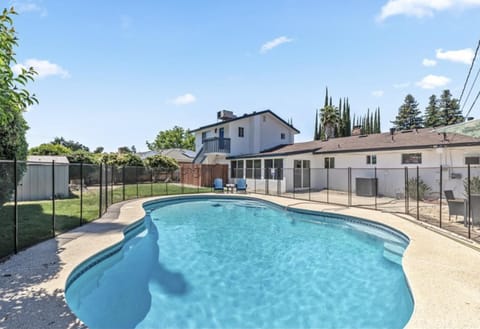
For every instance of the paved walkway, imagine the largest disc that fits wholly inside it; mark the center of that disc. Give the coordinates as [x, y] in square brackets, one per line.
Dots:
[444, 274]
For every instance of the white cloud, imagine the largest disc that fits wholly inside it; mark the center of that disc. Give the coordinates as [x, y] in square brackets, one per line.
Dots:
[422, 8]
[43, 67]
[461, 56]
[433, 81]
[184, 99]
[401, 85]
[29, 7]
[429, 62]
[274, 43]
[378, 93]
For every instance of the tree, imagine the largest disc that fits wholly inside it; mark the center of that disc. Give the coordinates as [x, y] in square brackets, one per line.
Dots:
[121, 159]
[408, 115]
[161, 161]
[99, 150]
[177, 137]
[329, 119]
[81, 156]
[449, 109]
[14, 100]
[316, 135]
[432, 113]
[50, 149]
[124, 150]
[72, 145]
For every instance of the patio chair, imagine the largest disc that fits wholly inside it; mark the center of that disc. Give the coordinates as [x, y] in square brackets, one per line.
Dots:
[218, 185]
[455, 206]
[241, 185]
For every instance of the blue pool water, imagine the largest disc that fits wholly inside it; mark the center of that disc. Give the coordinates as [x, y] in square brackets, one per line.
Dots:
[221, 263]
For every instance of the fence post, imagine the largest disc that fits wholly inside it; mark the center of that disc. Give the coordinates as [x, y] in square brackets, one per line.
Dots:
[81, 193]
[53, 198]
[309, 183]
[293, 180]
[441, 186]
[407, 206]
[376, 187]
[15, 206]
[418, 193]
[151, 181]
[123, 183]
[197, 172]
[469, 208]
[136, 178]
[106, 186]
[112, 182]
[166, 181]
[181, 173]
[100, 191]
[328, 183]
[349, 186]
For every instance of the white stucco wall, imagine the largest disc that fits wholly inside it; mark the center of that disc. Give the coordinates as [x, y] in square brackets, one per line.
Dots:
[260, 132]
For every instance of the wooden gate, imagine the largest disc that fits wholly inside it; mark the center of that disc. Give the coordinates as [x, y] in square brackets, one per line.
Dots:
[202, 174]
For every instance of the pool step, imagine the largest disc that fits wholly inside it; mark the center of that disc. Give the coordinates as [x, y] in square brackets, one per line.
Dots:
[393, 252]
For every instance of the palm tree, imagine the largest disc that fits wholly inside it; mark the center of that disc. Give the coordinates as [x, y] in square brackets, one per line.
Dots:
[329, 118]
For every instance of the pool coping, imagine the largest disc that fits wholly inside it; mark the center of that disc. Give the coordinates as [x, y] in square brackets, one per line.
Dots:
[444, 275]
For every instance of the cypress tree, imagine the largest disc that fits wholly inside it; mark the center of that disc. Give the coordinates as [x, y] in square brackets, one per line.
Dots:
[367, 122]
[433, 116]
[340, 119]
[349, 123]
[315, 134]
[379, 130]
[326, 97]
[449, 109]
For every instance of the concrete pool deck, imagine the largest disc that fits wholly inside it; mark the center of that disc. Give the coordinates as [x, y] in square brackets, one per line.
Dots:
[444, 275]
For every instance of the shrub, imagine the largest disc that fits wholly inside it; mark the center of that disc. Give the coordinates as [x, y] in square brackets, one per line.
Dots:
[423, 189]
[161, 161]
[474, 185]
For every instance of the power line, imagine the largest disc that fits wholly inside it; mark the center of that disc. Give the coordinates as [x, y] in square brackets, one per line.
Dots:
[471, 107]
[471, 88]
[469, 71]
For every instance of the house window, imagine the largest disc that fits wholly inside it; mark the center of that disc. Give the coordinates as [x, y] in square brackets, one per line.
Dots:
[372, 159]
[278, 165]
[273, 169]
[204, 136]
[236, 169]
[241, 132]
[257, 169]
[412, 158]
[472, 160]
[249, 169]
[330, 162]
[282, 136]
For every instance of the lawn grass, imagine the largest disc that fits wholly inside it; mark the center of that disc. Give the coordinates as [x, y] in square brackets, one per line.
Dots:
[35, 217]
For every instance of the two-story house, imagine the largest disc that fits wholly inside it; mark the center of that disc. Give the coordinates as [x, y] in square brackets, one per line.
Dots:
[235, 135]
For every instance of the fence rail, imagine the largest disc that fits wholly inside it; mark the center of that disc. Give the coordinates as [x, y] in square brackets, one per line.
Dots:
[41, 200]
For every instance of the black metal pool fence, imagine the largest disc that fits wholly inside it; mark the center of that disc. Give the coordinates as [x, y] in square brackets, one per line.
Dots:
[41, 200]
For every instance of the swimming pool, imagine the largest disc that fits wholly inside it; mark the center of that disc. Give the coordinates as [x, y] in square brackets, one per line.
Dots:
[203, 262]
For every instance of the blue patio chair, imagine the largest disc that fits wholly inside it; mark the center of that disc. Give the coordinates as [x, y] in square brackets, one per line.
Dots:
[241, 185]
[218, 184]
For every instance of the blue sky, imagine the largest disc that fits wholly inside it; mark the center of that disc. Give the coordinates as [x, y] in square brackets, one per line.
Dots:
[115, 73]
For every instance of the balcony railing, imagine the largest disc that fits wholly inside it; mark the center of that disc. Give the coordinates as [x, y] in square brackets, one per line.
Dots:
[216, 145]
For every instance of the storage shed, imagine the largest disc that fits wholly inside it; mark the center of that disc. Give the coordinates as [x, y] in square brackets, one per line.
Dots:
[36, 183]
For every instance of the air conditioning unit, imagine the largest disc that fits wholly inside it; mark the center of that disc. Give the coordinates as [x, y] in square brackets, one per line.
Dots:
[225, 115]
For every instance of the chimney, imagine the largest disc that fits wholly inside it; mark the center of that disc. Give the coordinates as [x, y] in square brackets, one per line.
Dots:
[392, 132]
[356, 130]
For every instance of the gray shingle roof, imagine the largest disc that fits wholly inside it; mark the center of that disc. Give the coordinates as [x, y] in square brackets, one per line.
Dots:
[415, 139]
